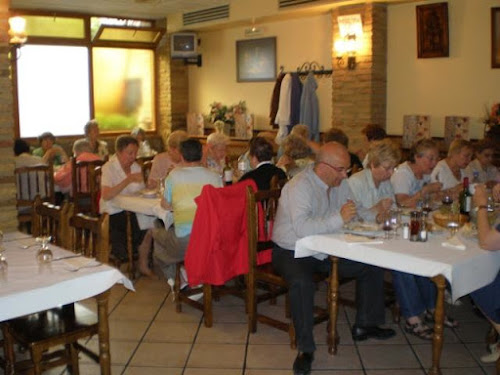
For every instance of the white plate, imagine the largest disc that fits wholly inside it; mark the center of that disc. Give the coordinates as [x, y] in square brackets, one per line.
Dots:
[149, 193]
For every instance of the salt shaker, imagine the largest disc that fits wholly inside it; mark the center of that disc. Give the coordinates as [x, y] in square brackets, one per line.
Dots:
[406, 231]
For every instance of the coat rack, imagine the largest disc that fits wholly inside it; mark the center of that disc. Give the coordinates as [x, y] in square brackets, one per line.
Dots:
[312, 66]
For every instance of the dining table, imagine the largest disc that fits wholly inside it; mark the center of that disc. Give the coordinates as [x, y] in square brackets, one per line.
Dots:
[146, 205]
[466, 268]
[27, 286]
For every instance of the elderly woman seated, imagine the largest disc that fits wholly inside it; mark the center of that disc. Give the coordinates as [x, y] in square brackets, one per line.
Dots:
[145, 149]
[296, 155]
[49, 151]
[372, 189]
[411, 180]
[122, 175]
[451, 170]
[214, 155]
[481, 169]
[98, 146]
[82, 152]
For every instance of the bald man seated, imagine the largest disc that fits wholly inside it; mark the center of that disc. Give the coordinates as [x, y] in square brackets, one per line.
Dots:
[318, 201]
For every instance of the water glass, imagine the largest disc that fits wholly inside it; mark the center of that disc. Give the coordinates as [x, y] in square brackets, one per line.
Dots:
[395, 221]
[387, 226]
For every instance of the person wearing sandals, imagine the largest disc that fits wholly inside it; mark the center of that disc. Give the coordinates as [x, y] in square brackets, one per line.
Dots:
[372, 189]
[488, 297]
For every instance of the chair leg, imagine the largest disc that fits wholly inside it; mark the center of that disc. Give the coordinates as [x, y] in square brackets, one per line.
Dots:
[177, 288]
[130, 268]
[36, 358]
[8, 350]
[251, 304]
[333, 305]
[207, 305]
[72, 351]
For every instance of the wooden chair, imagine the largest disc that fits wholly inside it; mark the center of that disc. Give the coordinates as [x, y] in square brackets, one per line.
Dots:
[52, 221]
[84, 185]
[64, 326]
[30, 182]
[266, 201]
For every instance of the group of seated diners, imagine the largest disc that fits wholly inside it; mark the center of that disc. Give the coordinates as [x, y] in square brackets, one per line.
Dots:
[328, 187]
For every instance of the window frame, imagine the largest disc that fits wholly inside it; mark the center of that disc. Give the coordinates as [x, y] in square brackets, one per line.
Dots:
[87, 41]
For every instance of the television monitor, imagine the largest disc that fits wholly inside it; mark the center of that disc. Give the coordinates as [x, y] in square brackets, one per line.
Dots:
[183, 45]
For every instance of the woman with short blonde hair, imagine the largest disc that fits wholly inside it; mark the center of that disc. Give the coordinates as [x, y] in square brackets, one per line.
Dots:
[215, 152]
[451, 170]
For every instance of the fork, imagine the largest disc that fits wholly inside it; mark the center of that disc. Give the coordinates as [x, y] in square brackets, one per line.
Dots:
[93, 265]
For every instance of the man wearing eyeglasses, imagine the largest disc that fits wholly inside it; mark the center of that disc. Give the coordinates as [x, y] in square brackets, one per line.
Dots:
[318, 201]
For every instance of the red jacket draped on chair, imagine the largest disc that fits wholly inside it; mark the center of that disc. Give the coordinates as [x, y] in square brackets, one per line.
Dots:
[218, 246]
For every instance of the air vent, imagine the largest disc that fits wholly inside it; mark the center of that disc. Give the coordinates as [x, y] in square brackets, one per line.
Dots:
[292, 3]
[205, 15]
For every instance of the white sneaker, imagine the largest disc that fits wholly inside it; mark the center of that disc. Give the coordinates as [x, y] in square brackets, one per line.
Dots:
[198, 296]
[493, 356]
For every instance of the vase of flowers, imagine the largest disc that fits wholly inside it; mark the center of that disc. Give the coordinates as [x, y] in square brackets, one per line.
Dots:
[222, 116]
[492, 122]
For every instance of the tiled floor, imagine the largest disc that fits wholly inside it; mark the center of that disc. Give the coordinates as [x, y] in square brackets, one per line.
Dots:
[149, 337]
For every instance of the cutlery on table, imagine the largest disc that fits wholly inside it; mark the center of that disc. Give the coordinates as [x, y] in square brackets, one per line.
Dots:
[67, 257]
[76, 269]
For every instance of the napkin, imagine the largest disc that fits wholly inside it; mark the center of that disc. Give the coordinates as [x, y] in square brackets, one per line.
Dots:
[357, 239]
[73, 263]
[453, 243]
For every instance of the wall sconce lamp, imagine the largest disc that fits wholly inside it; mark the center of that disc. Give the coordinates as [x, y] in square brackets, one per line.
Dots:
[347, 47]
[351, 33]
[17, 35]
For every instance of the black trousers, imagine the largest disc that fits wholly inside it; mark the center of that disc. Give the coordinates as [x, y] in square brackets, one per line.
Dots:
[298, 272]
[118, 234]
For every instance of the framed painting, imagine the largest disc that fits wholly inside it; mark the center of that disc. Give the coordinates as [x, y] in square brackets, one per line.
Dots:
[495, 37]
[432, 30]
[256, 60]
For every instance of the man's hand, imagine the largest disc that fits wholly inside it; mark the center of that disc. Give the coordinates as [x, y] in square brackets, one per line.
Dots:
[383, 205]
[348, 211]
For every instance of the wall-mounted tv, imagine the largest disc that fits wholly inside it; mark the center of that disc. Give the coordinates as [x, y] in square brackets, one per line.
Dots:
[183, 45]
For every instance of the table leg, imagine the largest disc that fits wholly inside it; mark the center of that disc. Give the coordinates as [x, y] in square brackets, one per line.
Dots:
[103, 333]
[333, 305]
[437, 341]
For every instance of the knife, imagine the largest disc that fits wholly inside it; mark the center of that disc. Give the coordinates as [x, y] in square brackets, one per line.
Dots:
[363, 235]
[67, 257]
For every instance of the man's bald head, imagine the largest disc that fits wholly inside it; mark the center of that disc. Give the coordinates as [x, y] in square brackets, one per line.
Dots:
[332, 162]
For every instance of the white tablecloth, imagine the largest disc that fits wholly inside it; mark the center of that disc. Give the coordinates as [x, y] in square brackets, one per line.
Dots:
[466, 270]
[28, 287]
[147, 209]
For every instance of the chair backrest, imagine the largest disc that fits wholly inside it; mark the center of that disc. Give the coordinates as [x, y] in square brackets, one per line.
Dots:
[277, 183]
[51, 220]
[33, 181]
[261, 212]
[146, 170]
[84, 186]
[90, 236]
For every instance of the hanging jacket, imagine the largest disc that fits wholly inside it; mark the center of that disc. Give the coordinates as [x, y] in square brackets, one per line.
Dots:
[309, 107]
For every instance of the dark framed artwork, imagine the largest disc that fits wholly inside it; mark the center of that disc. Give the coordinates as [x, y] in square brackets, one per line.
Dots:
[432, 30]
[256, 60]
[495, 37]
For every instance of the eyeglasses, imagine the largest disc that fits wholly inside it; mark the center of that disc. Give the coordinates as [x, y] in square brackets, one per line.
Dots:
[337, 169]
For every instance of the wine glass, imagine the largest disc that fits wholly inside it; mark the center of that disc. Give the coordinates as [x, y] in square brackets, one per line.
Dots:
[395, 221]
[44, 254]
[447, 200]
[453, 228]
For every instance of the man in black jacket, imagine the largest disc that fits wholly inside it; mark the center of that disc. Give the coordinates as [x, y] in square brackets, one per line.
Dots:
[261, 153]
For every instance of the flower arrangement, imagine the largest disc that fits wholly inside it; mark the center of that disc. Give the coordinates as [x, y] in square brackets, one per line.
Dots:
[224, 113]
[492, 118]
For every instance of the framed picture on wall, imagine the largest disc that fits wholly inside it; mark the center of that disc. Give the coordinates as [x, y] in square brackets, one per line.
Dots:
[256, 60]
[495, 37]
[432, 30]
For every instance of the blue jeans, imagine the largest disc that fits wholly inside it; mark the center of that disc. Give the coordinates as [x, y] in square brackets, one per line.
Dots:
[415, 294]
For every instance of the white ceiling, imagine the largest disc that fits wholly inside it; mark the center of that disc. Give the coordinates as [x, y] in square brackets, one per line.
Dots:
[151, 9]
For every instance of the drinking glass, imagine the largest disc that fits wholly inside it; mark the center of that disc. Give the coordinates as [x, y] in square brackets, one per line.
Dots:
[395, 221]
[447, 200]
[387, 226]
[453, 228]
[44, 254]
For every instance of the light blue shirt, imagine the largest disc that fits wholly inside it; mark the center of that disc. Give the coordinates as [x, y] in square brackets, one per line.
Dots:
[364, 191]
[404, 180]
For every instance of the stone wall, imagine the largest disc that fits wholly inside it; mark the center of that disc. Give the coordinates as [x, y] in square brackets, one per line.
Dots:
[359, 95]
[8, 215]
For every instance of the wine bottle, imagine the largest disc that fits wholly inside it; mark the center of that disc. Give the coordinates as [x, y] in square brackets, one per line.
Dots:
[465, 198]
[228, 173]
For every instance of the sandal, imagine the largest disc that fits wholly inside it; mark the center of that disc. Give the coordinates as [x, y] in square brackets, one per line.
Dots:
[448, 320]
[419, 330]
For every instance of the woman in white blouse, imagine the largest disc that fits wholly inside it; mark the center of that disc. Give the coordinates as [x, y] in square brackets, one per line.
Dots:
[451, 170]
[411, 180]
[481, 169]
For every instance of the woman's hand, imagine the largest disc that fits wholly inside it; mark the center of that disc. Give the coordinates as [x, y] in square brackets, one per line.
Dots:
[480, 197]
[135, 177]
[433, 187]
[496, 192]
[383, 205]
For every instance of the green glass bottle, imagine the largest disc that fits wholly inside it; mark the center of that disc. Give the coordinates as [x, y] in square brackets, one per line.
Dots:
[465, 198]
